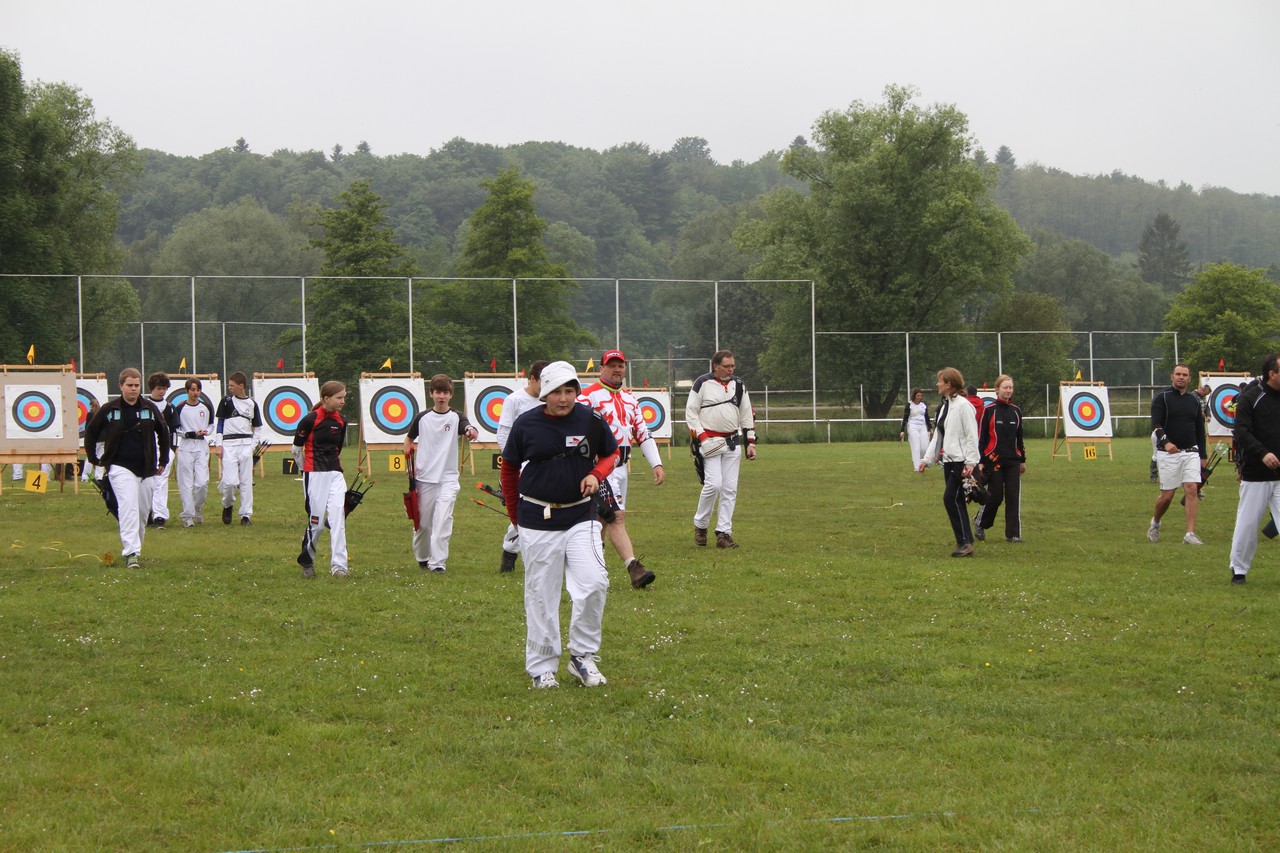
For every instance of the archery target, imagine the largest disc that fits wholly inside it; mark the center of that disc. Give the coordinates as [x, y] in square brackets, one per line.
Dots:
[88, 392]
[1086, 411]
[389, 406]
[34, 411]
[210, 391]
[284, 402]
[1223, 391]
[655, 408]
[483, 403]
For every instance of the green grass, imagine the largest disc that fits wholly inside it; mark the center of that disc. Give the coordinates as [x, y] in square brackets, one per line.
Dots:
[1084, 691]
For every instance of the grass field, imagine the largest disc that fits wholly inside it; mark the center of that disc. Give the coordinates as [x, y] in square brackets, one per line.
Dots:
[838, 682]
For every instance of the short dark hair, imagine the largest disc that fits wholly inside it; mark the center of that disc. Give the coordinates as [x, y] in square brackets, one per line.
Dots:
[1270, 365]
[971, 390]
[441, 382]
[156, 380]
[193, 381]
[239, 378]
[720, 356]
[535, 369]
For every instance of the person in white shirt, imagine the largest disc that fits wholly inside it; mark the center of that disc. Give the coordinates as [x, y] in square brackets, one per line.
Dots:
[194, 422]
[157, 390]
[435, 473]
[238, 433]
[516, 404]
[955, 437]
[720, 421]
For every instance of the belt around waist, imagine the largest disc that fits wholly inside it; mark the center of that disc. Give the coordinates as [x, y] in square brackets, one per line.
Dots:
[547, 506]
[236, 437]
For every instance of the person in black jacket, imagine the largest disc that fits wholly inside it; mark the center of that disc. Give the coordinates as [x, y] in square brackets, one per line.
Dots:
[1180, 443]
[1004, 461]
[317, 448]
[1257, 435]
[130, 439]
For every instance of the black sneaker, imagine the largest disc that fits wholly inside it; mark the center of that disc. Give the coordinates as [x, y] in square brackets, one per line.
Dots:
[158, 524]
[308, 566]
[226, 515]
[424, 565]
[508, 562]
[1235, 578]
[979, 533]
[1012, 540]
[244, 521]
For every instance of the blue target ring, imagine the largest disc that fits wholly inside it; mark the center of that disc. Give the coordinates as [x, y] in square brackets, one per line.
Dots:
[33, 411]
[393, 410]
[487, 406]
[284, 407]
[653, 412]
[1086, 410]
[1222, 405]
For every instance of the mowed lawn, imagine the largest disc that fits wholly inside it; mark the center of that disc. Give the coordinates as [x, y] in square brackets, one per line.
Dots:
[838, 682]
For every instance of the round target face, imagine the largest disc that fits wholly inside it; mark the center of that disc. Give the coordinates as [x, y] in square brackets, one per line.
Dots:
[284, 406]
[84, 406]
[653, 412]
[393, 410]
[177, 395]
[33, 411]
[1085, 410]
[486, 408]
[1222, 405]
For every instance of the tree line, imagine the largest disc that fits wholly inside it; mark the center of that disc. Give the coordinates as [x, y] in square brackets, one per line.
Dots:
[902, 223]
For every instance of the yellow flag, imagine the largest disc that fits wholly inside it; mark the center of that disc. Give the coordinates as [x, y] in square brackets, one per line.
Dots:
[1077, 375]
[591, 364]
[386, 364]
[31, 355]
[183, 366]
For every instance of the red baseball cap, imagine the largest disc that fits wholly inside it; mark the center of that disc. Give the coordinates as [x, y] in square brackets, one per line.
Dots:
[611, 355]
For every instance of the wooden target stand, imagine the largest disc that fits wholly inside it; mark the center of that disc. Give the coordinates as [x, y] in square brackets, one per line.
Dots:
[56, 456]
[1089, 451]
[287, 462]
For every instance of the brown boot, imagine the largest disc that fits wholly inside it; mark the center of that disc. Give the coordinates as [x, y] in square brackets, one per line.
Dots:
[699, 536]
[640, 576]
[724, 540]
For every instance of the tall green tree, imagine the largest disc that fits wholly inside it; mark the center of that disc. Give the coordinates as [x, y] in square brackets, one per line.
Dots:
[353, 326]
[1228, 313]
[456, 325]
[897, 230]
[1033, 360]
[61, 169]
[1162, 256]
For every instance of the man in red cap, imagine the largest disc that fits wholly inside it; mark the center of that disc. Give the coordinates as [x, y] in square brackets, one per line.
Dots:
[621, 411]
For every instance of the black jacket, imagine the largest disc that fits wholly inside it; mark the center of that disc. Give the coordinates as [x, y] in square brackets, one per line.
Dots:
[108, 425]
[1257, 431]
[1178, 419]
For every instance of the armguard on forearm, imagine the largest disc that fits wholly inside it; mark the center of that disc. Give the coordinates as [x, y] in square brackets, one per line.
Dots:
[749, 436]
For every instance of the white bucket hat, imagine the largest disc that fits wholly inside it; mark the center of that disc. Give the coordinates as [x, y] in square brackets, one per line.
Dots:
[556, 374]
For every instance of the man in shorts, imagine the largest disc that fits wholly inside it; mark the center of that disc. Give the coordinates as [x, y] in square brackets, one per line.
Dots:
[1178, 423]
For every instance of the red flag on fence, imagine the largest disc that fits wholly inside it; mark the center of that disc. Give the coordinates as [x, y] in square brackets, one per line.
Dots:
[1222, 364]
[646, 382]
[280, 364]
[73, 365]
[493, 365]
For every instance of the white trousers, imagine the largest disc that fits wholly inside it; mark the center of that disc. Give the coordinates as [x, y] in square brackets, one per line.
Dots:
[720, 480]
[511, 540]
[325, 493]
[573, 558]
[435, 522]
[193, 479]
[1255, 500]
[618, 483]
[133, 499]
[918, 439]
[160, 494]
[237, 473]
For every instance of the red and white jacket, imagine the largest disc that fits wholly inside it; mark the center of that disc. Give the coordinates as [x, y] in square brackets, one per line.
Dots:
[621, 411]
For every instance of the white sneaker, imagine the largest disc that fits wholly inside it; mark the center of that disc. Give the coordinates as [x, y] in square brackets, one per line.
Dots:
[1191, 539]
[584, 669]
[544, 681]
[1153, 532]
[340, 573]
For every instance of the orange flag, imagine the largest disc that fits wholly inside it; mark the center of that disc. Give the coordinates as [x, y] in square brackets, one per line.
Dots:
[31, 355]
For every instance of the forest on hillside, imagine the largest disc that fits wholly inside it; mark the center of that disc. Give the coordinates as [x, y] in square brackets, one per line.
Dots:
[632, 212]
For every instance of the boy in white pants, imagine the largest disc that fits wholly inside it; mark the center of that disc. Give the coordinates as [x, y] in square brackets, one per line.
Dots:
[238, 432]
[435, 473]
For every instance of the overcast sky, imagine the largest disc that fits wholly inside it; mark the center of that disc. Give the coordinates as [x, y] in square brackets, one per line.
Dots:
[1172, 90]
